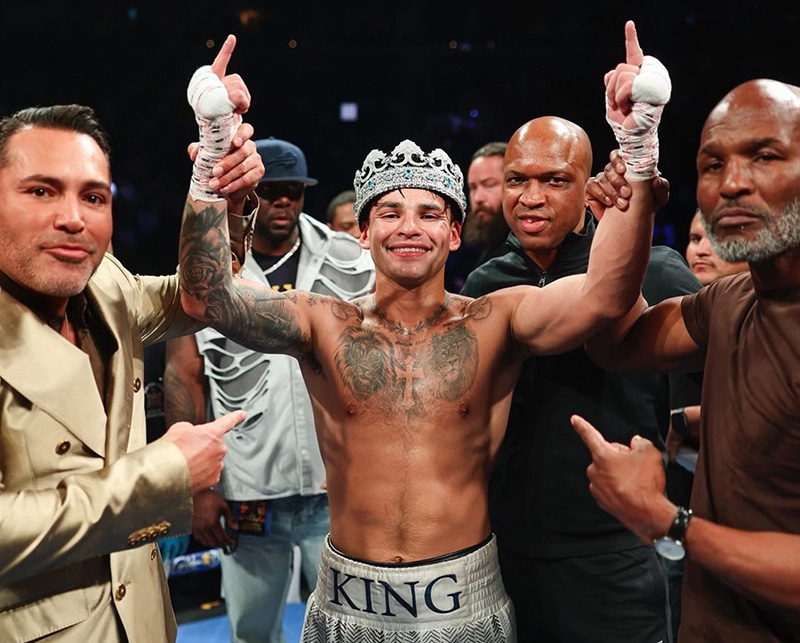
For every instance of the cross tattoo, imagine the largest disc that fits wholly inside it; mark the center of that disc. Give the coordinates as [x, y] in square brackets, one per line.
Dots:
[409, 374]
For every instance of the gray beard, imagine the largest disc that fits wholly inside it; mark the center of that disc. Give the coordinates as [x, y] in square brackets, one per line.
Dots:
[781, 232]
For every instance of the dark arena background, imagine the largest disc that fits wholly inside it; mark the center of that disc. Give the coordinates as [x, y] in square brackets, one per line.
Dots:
[339, 78]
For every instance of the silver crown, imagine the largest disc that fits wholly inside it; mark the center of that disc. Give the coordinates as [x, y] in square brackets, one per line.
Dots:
[409, 167]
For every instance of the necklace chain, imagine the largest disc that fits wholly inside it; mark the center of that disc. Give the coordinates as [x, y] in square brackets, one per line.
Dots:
[434, 318]
[283, 259]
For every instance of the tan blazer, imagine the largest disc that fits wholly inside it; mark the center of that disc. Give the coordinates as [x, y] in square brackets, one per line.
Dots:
[76, 479]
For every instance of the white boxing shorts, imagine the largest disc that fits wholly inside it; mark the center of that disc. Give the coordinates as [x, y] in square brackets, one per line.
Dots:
[456, 598]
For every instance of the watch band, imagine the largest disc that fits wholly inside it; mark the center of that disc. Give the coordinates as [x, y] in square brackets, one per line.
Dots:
[679, 422]
[677, 530]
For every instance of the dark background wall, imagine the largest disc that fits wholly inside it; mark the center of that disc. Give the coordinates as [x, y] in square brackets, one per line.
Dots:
[446, 74]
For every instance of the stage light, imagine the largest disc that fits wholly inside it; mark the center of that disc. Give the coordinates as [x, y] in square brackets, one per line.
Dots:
[348, 112]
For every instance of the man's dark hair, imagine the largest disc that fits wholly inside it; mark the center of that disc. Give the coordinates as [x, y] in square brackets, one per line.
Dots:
[71, 118]
[348, 196]
[495, 148]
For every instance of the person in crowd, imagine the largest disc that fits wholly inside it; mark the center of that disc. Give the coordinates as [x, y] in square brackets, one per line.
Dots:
[83, 497]
[340, 213]
[485, 229]
[411, 385]
[273, 462]
[556, 547]
[741, 537]
[702, 259]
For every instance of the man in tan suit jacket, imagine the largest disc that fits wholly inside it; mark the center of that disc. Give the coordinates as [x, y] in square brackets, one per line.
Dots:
[82, 497]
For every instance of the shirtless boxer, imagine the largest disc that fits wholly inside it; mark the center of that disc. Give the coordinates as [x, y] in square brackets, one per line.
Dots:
[411, 385]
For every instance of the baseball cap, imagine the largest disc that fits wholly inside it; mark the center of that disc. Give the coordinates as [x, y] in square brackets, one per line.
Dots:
[283, 161]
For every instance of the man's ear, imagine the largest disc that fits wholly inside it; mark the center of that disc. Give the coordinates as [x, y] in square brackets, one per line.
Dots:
[455, 236]
[363, 240]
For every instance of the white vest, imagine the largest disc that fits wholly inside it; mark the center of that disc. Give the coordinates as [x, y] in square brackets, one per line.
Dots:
[274, 453]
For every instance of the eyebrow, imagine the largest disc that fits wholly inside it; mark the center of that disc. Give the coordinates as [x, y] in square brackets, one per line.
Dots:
[56, 182]
[750, 145]
[432, 206]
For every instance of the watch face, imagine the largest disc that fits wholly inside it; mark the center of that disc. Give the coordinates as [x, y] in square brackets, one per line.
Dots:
[679, 423]
[669, 549]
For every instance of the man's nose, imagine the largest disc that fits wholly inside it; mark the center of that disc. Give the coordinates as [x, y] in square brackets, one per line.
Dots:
[533, 195]
[409, 224]
[69, 214]
[737, 179]
[704, 246]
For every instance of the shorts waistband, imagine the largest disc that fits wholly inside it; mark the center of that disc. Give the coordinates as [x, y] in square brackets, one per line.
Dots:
[456, 587]
[417, 563]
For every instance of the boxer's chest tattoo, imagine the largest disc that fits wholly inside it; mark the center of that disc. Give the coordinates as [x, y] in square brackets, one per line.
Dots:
[405, 372]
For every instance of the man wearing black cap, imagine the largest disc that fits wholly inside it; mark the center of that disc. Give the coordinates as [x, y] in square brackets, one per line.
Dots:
[411, 385]
[271, 494]
[281, 190]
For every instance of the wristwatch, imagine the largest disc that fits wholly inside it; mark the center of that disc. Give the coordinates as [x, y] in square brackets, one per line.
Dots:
[671, 546]
[679, 422]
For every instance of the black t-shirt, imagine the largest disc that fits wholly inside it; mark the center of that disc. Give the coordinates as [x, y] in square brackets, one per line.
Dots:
[539, 498]
[284, 277]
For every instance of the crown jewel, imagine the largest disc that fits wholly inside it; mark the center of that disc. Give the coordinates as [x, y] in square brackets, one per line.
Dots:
[407, 166]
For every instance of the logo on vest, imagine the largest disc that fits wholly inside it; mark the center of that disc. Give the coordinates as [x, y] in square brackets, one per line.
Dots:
[373, 596]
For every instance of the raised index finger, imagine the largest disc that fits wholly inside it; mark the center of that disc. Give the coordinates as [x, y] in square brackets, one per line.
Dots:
[220, 64]
[223, 424]
[591, 437]
[633, 52]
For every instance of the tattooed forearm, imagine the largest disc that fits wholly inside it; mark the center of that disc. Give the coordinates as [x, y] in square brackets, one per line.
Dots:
[257, 318]
[205, 266]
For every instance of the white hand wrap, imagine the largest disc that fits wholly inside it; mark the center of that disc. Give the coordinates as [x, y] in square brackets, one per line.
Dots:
[217, 123]
[639, 147]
